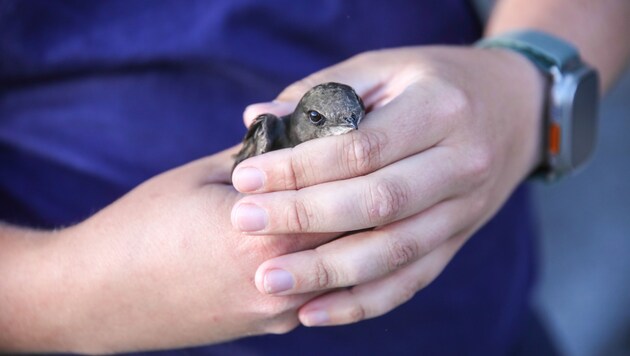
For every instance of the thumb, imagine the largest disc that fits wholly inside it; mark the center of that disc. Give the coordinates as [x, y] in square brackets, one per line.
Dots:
[278, 108]
[287, 100]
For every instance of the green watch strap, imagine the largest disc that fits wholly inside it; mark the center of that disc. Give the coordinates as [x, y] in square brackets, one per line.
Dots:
[545, 50]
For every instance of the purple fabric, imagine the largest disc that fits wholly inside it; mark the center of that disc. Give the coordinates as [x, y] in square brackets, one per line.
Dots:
[96, 97]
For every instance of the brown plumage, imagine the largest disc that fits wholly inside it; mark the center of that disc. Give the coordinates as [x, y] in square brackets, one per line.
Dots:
[325, 110]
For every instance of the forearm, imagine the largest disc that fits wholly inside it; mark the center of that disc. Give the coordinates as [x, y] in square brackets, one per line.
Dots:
[29, 290]
[598, 28]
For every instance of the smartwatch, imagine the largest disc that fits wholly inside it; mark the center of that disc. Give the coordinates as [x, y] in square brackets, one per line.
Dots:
[570, 126]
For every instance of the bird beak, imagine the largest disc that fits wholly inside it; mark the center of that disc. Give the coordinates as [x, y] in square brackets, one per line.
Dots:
[352, 122]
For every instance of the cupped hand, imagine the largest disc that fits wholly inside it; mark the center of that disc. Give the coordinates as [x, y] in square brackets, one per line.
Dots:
[162, 267]
[449, 135]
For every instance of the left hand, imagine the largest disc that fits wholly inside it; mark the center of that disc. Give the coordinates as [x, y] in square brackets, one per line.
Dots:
[450, 133]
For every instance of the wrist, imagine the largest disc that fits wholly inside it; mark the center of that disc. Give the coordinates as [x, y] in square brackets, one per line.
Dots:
[515, 96]
[570, 117]
[532, 86]
[32, 298]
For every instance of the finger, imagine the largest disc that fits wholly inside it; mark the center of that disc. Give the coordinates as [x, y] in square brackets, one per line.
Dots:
[380, 296]
[368, 87]
[278, 108]
[366, 256]
[414, 121]
[399, 190]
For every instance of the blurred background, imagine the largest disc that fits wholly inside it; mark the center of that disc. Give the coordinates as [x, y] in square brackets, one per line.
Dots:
[584, 285]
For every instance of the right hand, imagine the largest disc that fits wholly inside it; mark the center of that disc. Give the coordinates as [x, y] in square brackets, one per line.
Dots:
[162, 267]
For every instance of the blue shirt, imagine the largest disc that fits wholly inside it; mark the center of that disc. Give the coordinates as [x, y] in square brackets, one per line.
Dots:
[96, 97]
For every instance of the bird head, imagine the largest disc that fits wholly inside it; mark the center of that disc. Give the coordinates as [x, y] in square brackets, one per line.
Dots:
[327, 109]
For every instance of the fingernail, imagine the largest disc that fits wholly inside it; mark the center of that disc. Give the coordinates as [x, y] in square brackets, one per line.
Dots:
[316, 318]
[277, 280]
[248, 179]
[249, 217]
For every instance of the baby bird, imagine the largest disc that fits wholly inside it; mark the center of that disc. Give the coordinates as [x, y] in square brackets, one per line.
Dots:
[325, 110]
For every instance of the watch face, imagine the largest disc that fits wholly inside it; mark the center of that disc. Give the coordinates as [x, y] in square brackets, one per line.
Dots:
[584, 117]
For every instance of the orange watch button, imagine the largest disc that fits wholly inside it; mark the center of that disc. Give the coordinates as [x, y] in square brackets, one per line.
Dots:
[554, 139]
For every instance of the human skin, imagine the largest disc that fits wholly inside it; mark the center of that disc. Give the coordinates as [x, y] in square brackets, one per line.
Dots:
[163, 267]
[452, 132]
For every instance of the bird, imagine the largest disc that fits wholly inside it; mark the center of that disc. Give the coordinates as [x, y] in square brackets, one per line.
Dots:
[327, 109]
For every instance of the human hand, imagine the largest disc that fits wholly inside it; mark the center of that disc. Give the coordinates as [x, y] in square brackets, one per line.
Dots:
[451, 133]
[162, 267]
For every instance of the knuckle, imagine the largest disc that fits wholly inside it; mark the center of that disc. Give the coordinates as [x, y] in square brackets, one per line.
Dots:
[456, 101]
[363, 151]
[356, 313]
[479, 163]
[400, 251]
[299, 216]
[325, 276]
[455, 105]
[288, 179]
[301, 172]
[385, 200]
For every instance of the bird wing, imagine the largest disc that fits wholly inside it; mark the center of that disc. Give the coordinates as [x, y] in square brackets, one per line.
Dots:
[263, 136]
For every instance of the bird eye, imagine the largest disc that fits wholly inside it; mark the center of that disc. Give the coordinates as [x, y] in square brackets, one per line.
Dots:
[315, 117]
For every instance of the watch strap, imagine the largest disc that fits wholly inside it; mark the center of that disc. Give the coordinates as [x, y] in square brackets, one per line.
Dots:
[545, 50]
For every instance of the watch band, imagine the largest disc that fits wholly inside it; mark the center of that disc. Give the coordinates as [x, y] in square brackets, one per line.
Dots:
[545, 50]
